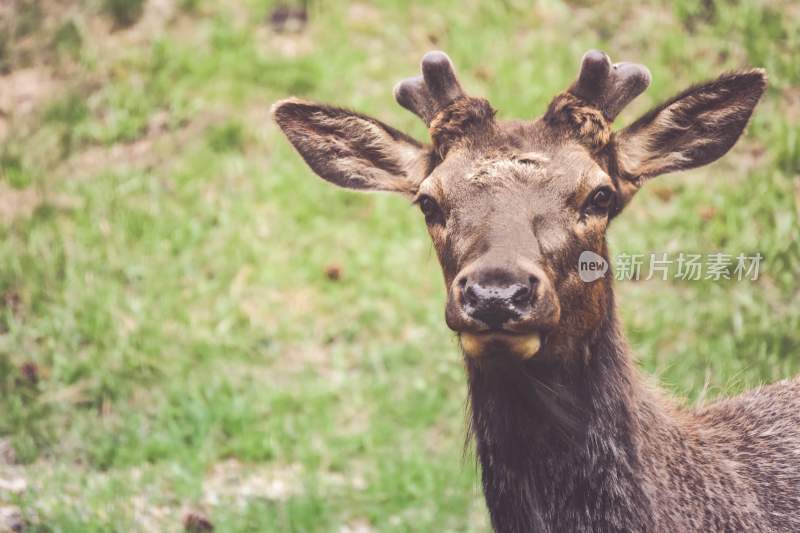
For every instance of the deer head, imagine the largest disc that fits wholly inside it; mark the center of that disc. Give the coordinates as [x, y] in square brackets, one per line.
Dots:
[511, 205]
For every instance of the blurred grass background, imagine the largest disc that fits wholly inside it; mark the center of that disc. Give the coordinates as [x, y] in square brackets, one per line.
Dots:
[190, 321]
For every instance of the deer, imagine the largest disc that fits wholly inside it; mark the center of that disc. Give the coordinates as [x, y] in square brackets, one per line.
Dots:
[568, 433]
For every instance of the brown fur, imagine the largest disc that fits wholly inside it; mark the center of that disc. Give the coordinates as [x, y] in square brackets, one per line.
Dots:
[458, 120]
[586, 122]
[572, 439]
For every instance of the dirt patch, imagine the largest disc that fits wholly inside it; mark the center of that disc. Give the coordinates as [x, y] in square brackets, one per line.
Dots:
[11, 518]
[12, 476]
[150, 516]
[21, 92]
[236, 483]
[12, 486]
[12, 483]
[7, 454]
[364, 14]
[791, 104]
[22, 89]
[96, 158]
[17, 203]
[155, 148]
[357, 526]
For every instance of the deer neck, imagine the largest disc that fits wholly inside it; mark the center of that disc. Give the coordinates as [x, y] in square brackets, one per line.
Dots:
[560, 444]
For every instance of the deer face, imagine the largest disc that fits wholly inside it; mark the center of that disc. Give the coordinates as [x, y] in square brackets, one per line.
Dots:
[508, 222]
[511, 206]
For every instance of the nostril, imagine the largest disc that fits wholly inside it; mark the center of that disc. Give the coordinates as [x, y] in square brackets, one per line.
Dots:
[471, 296]
[522, 295]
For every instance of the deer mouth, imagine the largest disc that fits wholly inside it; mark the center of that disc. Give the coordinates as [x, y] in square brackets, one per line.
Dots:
[482, 344]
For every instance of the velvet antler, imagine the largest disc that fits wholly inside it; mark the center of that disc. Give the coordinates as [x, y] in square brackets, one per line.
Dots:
[437, 88]
[609, 87]
[593, 101]
[438, 99]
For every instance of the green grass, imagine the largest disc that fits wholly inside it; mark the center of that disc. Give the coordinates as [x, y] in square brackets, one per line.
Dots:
[170, 281]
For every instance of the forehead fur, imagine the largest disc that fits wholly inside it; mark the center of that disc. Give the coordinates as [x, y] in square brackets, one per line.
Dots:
[554, 170]
[473, 150]
[503, 168]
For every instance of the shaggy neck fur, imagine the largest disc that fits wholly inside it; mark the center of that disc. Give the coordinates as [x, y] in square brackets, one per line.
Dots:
[554, 441]
[587, 447]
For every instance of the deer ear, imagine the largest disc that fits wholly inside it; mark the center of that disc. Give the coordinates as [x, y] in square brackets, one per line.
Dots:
[694, 128]
[352, 150]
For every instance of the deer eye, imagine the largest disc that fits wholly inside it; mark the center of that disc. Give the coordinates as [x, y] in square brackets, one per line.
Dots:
[430, 209]
[600, 200]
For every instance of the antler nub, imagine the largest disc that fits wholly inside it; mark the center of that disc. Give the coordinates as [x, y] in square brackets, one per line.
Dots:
[440, 77]
[609, 87]
[428, 94]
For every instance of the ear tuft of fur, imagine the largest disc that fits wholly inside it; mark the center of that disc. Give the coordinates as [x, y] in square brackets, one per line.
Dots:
[282, 111]
[275, 109]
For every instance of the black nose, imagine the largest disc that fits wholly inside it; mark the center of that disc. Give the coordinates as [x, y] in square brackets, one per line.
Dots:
[497, 299]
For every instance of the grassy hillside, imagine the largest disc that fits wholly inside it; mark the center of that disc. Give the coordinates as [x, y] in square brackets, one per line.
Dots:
[190, 321]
